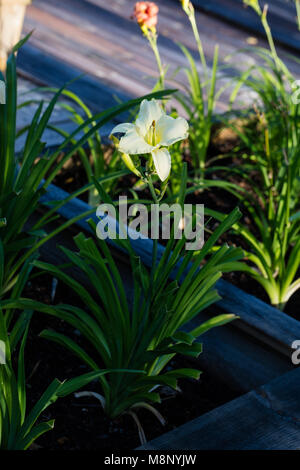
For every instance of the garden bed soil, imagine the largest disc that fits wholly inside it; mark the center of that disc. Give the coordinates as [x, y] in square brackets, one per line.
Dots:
[80, 423]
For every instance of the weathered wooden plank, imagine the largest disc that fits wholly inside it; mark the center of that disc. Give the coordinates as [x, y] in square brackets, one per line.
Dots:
[53, 72]
[173, 24]
[281, 17]
[260, 315]
[48, 71]
[61, 118]
[99, 38]
[236, 357]
[264, 419]
[52, 138]
[248, 363]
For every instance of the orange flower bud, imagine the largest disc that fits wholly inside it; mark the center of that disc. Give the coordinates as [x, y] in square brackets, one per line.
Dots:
[146, 14]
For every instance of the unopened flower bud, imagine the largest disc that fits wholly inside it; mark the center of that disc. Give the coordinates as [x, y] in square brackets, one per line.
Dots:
[253, 4]
[185, 4]
[130, 165]
[146, 15]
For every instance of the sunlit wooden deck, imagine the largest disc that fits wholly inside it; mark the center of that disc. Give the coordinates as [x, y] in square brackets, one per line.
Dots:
[97, 38]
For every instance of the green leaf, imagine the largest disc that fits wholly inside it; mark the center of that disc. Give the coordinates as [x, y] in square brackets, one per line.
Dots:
[213, 323]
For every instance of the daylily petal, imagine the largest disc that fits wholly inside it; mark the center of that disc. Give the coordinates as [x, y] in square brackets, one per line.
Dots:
[149, 111]
[162, 162]
[133, 144]
[170, 130]
[122, 128]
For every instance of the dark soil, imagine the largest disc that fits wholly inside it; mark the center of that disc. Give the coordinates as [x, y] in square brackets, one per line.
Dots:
[80, 423]
[72, 177]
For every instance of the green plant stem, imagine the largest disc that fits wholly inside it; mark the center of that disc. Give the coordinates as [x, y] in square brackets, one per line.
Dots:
[155, 241]
[152, 190]
[297, 3]
[287, 214]
[269, 37]
[152, 38]
[191, 16]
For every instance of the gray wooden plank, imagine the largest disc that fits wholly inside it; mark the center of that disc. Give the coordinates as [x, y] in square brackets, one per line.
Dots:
[259, 315]
[99, 38]
[264, 419]
[60, 118]
[281, 17]
[236, 357]
[27, 91]
[55, 73]
[49, 76]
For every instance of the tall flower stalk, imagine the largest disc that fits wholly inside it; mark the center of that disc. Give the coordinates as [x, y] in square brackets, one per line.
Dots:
[263, 17]
[146, 15]
[201, 98]
[297, 3]
[188, 8]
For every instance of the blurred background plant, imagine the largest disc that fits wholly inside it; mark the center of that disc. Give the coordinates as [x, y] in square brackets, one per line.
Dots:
[199, 99]
[271, 173]
[297, 3]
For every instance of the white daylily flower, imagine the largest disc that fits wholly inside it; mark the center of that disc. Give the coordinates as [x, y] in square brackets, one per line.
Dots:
[152, 132]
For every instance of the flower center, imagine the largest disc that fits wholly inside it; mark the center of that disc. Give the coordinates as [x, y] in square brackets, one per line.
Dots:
[151, 137]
